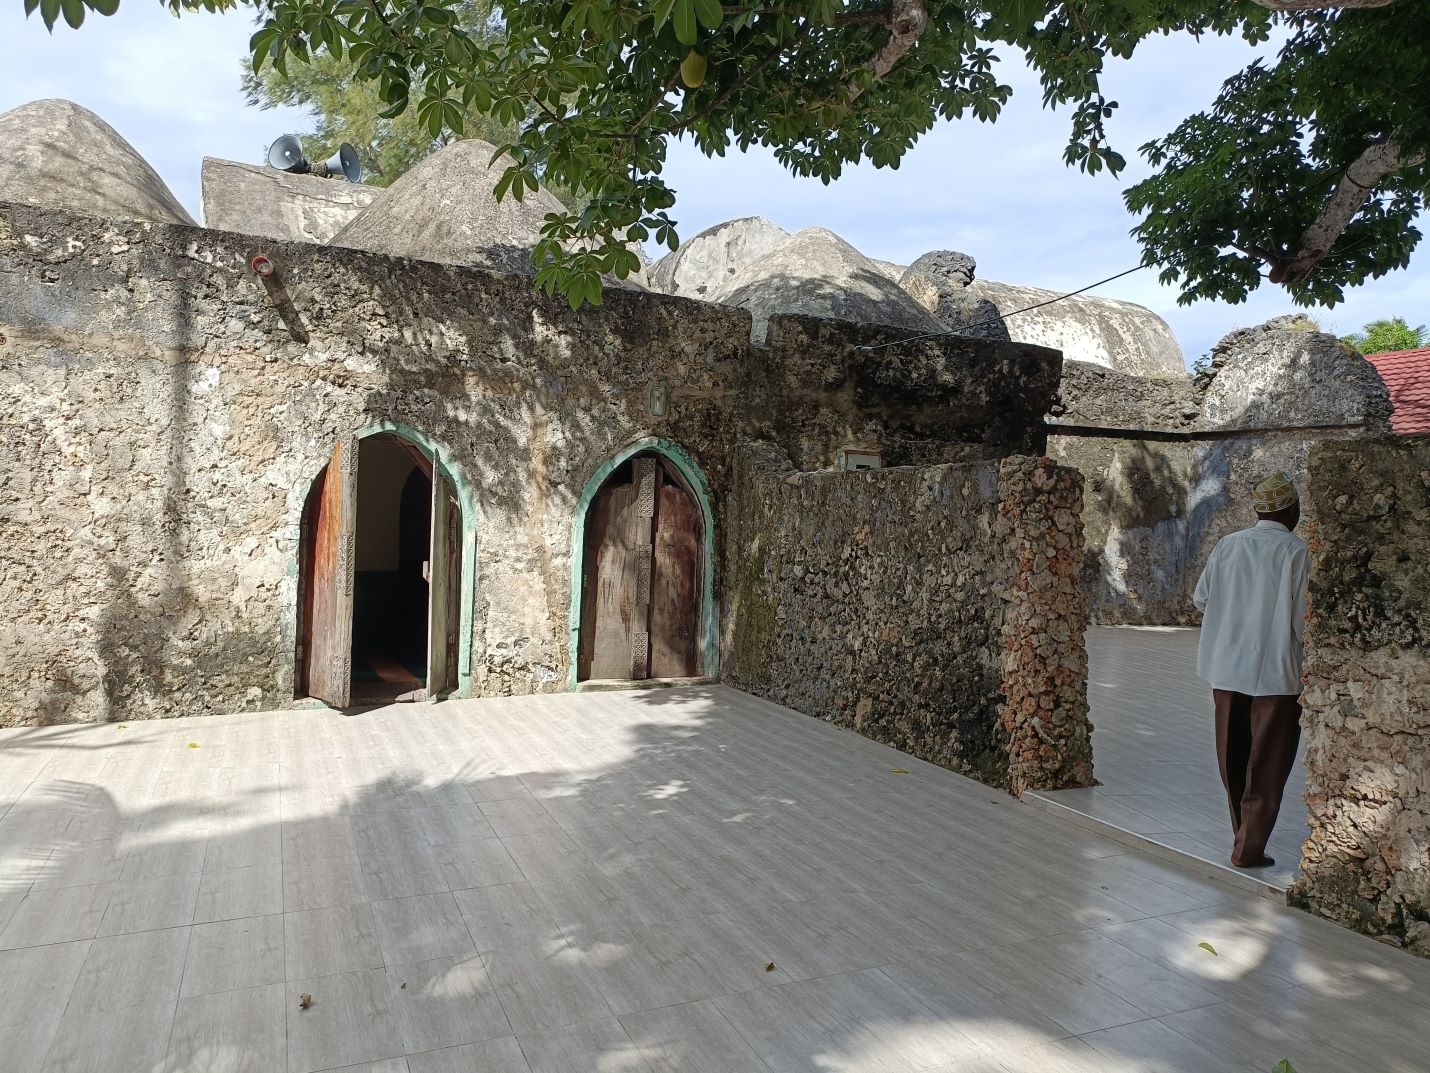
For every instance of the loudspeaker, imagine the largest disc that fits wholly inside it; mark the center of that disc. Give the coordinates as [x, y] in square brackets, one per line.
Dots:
[286, 154]
[344, 162]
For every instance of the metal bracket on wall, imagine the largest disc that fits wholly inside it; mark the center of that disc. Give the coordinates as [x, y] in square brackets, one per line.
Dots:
[268, 275]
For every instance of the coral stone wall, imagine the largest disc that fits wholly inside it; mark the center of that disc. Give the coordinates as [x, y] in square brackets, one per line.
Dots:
[1367, 699]
[164, 416]
[933, 608]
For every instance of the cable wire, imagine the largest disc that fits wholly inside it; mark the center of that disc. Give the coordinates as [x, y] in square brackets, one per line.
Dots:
[1001, 317]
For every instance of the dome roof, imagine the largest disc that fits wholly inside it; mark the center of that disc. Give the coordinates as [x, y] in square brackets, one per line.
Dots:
[817, 273]
[61, 156]
[445, 210]
[704, 264]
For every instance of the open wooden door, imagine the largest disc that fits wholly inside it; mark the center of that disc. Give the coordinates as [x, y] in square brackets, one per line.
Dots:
[443, 570]
[334, 555]
[675, 583]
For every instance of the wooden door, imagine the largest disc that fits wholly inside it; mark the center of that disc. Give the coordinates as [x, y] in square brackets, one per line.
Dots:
[641, 587]
[675, 583]
[441, 608]
[334, 554]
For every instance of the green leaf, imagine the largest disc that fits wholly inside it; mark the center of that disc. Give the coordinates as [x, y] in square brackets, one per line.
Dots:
[685, 31]
[663, 8]
[49, 12]
[30, 6]
[1208, 948]
[74, 12]
[104, 7]
[709, 13]
[1283, 1066]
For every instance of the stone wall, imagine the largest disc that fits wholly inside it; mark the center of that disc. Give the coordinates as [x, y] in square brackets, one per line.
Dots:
[165, 414]
[1366, 864]
[933, 608]
[1170, 462]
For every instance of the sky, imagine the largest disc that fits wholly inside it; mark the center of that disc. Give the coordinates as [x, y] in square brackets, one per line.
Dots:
[999, 192]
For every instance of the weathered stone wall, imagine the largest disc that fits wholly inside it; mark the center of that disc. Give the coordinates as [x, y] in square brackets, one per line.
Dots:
[895, 602]
[165, 416]
[1170, 462]
[1366, 864]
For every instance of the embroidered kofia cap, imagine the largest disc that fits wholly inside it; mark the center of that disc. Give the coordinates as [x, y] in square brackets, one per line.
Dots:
[1273, 494]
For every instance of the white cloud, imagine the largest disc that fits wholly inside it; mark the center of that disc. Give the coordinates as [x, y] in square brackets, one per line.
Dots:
[1000, 193]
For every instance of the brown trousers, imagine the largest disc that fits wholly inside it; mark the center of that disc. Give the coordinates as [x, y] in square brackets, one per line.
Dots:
[1256, 739]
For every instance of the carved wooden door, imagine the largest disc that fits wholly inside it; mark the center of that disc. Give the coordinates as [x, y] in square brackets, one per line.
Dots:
[334, 554]
[640, 590]
[442, 608]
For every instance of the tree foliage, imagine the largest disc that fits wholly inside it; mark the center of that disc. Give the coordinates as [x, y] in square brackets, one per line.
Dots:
[349, 109]
[1309, 166]
[1381, 336]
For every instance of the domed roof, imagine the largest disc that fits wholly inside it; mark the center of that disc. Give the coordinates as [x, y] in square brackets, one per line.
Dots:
[817, 273]
[58, 155]
[704, 264]
[445, 210]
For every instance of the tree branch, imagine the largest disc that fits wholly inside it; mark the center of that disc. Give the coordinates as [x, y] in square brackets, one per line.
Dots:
[729, 92]
[907, 22]
[1319, 5]
[1363, 175]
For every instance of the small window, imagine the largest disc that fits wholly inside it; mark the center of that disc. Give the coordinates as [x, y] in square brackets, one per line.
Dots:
[851, 458]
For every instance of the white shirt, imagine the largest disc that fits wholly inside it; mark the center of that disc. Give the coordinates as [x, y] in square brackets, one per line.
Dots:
[1252, 596]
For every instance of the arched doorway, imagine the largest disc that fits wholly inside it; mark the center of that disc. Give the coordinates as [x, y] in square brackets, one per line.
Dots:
[643, 577]
[380, 575]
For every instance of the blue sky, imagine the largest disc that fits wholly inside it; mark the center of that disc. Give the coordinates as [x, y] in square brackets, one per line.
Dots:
[1001, 193]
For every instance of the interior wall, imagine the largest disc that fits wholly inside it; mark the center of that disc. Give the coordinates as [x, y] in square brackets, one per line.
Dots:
[383, 469]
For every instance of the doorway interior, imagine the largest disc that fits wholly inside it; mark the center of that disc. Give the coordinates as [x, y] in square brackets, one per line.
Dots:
[643, 562]
[380, 576]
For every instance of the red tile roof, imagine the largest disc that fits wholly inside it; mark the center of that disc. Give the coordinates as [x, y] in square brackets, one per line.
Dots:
[1407, 376]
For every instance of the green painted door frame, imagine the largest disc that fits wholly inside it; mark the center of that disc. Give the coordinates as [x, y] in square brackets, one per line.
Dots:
[709, 639]
[467, 588]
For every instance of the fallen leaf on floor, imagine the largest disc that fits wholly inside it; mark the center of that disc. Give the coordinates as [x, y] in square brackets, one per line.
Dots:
[770, 967]
[305, 1000]
[1283, 1066]
[121, 726]
[898, 771]
[1208, 948]
[193, 745]
[404, 983]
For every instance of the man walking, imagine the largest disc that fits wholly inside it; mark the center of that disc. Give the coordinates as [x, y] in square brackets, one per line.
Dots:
[1252, 596]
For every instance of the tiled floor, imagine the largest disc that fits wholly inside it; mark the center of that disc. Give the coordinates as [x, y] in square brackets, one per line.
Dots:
[679, 880]
[1155, 754]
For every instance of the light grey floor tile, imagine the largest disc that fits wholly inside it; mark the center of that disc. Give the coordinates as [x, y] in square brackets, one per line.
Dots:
[244, 848]
[544, 985]
[517, 816]
[507, 914]
[589, 1046]
[1061, 1056]
[234, 954]
[491, 1056]
[641, 969]
[127, 970]
[483, 862]
[154, 857]
[149, 904]
[234, 1032]
[315, 837]
[134, 1039]
[35, 987]
[8, 904]
[320, 882]
[1137, 1045]
[240, 892]
[322, 942]
[421, 928]
[81, 864]
[416, 869]
[1147, 984]
[350, 1021]
[692, 1038]
[56, 916]
[734, 957]
[387, 1065]
[546, 853]
[455, 823]
[445, 1002]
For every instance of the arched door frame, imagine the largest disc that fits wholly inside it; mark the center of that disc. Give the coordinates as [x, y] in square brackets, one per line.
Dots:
[709, 637]
[467, 588]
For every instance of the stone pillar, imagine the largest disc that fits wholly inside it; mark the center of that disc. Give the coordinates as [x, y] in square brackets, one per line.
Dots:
[1044, 665]
[1366, 864]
